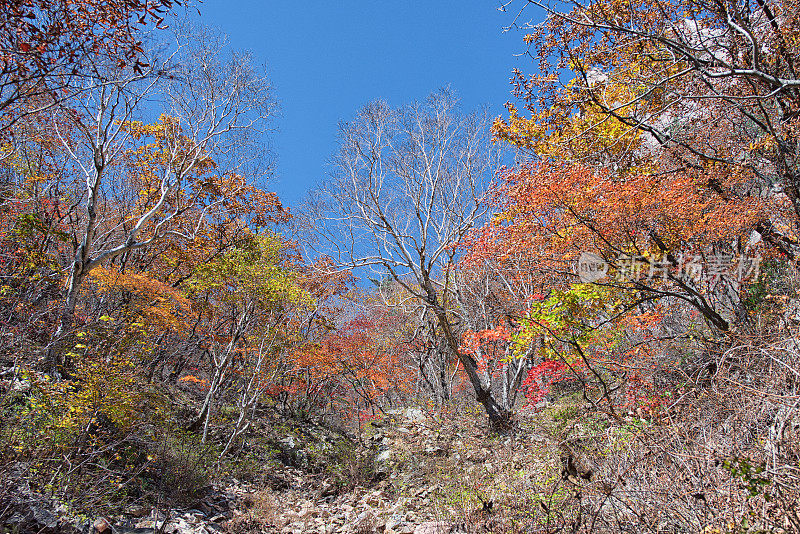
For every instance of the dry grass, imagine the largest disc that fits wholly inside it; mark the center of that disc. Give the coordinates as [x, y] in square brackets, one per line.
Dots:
[723, 456]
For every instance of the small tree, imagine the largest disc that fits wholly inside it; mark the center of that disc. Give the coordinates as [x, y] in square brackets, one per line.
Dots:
[255, 305]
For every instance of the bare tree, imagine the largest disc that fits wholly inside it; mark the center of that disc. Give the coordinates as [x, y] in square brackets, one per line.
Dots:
[407, 185]
[481, 308]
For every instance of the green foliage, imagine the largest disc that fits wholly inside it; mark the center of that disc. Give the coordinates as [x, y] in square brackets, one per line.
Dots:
[347, 465]
[459, 496]
[773, 279]
[576, 315]
[181, 465]
[76, 440]
[101, 400]
[563, 416]
[31, 225]
[750, 474]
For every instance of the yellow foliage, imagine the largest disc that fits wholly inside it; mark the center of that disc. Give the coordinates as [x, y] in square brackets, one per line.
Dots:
[99, 389]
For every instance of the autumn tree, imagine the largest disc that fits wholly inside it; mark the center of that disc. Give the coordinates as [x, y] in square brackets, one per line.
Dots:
[48, 49]
[646, 146]
[361, 365]
[33, 206]
[702, 89]
[255, 305]
[137, 180]
[489, 312]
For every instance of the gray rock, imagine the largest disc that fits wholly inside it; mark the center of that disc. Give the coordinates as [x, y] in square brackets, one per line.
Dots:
[394, 521]
[414, 414]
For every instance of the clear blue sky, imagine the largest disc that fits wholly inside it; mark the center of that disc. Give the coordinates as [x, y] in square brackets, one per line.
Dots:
[329, 58]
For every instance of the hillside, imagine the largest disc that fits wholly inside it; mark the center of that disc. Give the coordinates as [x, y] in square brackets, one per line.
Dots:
[579, 316]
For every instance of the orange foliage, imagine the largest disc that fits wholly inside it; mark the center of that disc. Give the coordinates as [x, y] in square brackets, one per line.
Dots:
[351, 366]
[560, 211]
[158, 306]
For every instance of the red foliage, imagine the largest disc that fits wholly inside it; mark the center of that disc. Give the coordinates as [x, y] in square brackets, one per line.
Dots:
[537, 384]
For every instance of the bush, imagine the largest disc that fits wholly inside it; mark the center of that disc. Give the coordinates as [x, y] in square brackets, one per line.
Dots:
[181, 466]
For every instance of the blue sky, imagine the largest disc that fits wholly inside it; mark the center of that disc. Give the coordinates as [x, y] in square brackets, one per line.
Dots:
[326, 59]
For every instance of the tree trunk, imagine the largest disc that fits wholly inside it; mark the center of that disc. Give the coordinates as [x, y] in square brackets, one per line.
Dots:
[499, 418]
[79, 269]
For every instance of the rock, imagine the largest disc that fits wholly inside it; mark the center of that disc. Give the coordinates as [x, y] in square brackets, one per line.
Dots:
[374, 499]
[178, 526]
[21, 386]
[149, 524]
[479, 456]
[44, 516]
[196, 513]
[192, 519]
[435, 450]
[432, 527]
[31, 512]
[462, 528]
[424, 492]
[365, 522]
[394, 521]
[305, 512]
[414, 415]
[101, 526]
[137, 510]
[215, 503]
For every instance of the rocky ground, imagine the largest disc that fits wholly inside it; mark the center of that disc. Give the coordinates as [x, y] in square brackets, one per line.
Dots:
[408, 472]
[413, 471]
[430, 475]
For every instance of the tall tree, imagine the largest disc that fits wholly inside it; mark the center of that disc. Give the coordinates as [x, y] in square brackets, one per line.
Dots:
[407, 186]
[136, 181]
